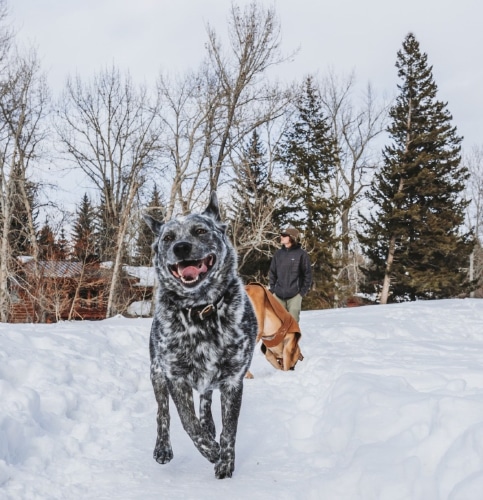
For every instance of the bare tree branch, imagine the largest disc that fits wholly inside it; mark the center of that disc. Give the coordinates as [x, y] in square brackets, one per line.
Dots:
[111, 131]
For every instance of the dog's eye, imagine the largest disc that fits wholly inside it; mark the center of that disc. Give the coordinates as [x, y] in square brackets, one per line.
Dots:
[168, 237]
[200, 230]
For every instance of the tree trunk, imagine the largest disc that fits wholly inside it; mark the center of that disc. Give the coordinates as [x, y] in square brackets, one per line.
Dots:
[117, 268]
[4, 295]
[387, 274]
[390, 258]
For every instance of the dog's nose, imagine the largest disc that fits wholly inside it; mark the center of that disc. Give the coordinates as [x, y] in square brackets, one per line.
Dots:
[182, 250]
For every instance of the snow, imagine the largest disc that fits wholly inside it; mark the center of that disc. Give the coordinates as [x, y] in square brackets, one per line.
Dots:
[140, 308]
[387, 404]
[146, 274]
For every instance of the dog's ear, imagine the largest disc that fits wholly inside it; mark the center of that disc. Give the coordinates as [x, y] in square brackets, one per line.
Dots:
[213, 209]
[154, 224]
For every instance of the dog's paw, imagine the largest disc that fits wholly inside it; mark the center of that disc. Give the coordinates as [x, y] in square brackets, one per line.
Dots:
[224, 469]
[163, 454]
[210, 449]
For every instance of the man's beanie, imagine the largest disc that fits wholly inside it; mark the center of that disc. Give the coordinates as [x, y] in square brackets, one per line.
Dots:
[292, 232]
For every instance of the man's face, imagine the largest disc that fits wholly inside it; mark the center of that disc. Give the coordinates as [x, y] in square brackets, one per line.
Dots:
[285, 240]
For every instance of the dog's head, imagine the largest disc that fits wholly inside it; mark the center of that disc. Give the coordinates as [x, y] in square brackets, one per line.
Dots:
[192, 253]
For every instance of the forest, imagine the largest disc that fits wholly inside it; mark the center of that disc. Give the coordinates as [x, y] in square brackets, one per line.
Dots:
[388, 203]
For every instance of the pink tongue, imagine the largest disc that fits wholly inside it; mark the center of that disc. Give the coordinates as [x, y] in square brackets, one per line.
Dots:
[192, 272]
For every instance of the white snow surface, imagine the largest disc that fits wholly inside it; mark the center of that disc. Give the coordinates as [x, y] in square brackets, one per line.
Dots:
[387, 404]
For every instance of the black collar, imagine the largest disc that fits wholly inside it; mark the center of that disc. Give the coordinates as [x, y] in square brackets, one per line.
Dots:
[200, 313]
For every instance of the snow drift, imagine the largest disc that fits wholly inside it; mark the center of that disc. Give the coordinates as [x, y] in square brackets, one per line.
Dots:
[387, 404]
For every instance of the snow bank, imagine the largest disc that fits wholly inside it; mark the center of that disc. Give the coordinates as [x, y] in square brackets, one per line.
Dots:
[387, 404]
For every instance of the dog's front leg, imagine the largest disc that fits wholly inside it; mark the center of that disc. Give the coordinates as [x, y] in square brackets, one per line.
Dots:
[163, 452]
[291, 351]
[231, 398]
[182, 395]
[206, 417]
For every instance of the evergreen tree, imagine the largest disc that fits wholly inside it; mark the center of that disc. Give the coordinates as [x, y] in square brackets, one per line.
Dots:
[107, 225]
[414, 238]
[83, 236]
[251, 217]
[144, 252]
[62, 246]
[46, 242]
[308, 155]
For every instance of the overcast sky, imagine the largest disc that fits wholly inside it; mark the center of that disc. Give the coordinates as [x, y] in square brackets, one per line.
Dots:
[146, 36]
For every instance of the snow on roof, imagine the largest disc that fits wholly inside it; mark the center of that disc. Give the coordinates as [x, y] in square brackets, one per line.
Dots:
[68, 269]
[56, 269]
[145, 274]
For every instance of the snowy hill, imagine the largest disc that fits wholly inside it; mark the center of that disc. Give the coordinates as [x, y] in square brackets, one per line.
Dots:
[387, 404]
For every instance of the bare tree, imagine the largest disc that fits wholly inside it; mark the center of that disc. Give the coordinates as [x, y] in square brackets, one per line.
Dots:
[6, 36]
[186, 108]
[473, 160]
[243, 104]
[356, 124]
[259, 237]
[110, 130]
[23, 106]
[209, 114]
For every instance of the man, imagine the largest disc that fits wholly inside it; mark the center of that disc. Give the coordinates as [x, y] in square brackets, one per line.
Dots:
[290, 274]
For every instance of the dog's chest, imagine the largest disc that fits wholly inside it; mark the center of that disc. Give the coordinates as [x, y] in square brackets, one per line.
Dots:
[203, 354]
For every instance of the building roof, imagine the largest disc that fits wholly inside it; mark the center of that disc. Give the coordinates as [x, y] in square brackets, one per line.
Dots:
[64, 269]
[67, 269]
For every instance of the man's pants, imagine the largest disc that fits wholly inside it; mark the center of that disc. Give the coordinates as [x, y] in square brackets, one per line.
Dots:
[293, 305]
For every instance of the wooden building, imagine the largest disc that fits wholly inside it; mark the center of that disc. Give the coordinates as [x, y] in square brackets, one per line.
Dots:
[49, 291]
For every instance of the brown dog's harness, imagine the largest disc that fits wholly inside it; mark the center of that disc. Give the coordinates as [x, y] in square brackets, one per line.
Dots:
[289, 324]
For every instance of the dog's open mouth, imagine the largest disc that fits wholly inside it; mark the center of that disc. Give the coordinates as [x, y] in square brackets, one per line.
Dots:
[190, 272]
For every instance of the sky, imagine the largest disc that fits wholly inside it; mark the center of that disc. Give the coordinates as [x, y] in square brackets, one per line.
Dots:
[386, 405]
[149, 36]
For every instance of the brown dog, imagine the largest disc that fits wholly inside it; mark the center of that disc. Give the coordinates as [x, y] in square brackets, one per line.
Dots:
[277, 329]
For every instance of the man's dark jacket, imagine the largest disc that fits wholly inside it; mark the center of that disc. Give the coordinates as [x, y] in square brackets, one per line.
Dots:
[290, 272]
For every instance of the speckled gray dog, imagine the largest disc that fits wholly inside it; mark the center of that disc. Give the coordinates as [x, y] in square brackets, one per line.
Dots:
[203, 333]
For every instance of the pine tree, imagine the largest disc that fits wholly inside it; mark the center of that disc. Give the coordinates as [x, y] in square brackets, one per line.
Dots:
[46, 242]
[62, 246]
[414, 237]
[144, 252]
[83, 235]
[251, 217]
[107, 225]
[308, 155]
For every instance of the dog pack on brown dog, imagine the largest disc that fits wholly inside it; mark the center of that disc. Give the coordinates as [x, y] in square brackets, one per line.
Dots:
[277, 329]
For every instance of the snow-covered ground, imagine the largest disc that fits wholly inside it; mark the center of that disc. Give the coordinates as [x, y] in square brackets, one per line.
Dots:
[388, 404]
